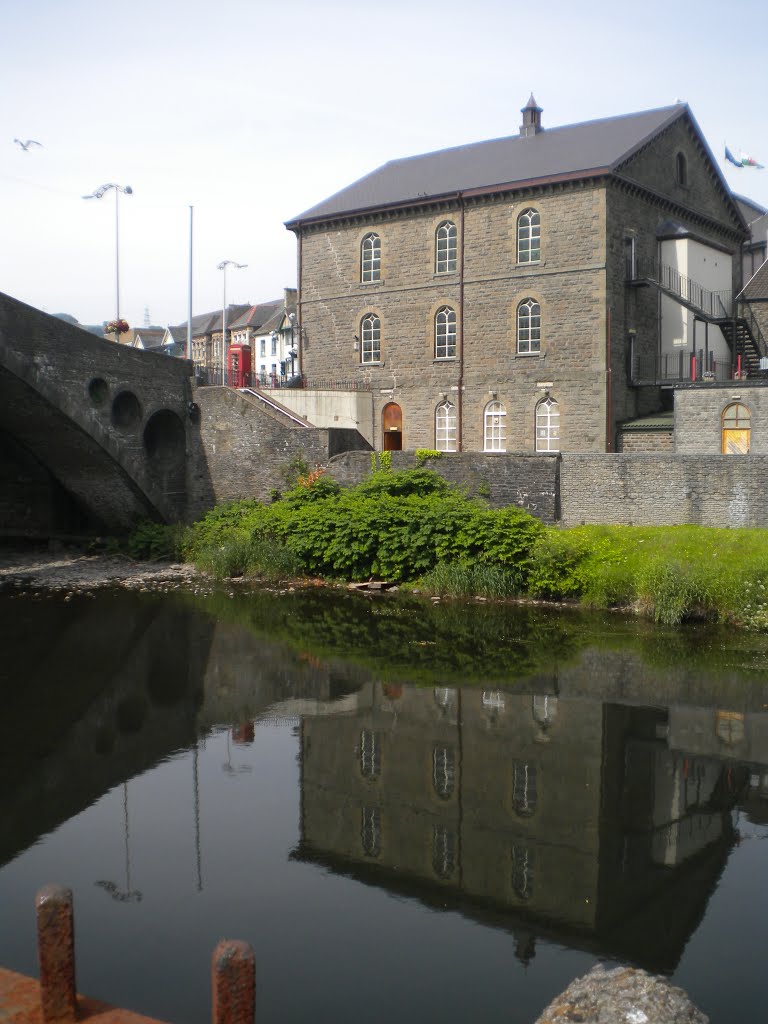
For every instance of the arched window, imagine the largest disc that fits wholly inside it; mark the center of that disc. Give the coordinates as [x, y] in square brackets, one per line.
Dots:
[495, 428]
[444, 771]
[736, 429]
[681, 169]
[524, 789]
[445, 333]
[547, 426]
[370, 331]
[528, 327]
[445, 427]
[529, 237]
[370, 258]
[445, 248]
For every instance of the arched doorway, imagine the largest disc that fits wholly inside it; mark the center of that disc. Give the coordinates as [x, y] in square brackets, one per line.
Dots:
[392, 427]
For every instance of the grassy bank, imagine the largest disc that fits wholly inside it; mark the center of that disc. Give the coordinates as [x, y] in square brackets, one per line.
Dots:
[412, 528]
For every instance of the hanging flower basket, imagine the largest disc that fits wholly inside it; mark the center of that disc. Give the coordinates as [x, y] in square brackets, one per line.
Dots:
[117, 327]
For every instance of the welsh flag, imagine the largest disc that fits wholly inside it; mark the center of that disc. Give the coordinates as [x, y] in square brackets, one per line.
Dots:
[743, 160]
[749, 161]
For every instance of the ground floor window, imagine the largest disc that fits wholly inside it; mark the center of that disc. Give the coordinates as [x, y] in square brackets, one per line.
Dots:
[736, 429]
[495, 427]
[445, 427]
[547, 426]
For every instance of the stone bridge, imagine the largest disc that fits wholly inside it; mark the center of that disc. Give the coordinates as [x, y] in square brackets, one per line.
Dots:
[96, 437]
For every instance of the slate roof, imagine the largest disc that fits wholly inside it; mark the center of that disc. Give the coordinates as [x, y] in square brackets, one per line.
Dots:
[756, 289]
[150, 337]
[207, 323]
[657, 421]
[257, 316]
[750, 210]
[580, 150]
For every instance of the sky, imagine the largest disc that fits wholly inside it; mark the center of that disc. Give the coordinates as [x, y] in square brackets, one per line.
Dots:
[252, 111]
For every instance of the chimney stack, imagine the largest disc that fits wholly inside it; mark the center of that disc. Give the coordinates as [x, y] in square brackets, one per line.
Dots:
[531, 118]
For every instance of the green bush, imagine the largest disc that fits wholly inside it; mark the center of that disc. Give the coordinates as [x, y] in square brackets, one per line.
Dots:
[154, 542]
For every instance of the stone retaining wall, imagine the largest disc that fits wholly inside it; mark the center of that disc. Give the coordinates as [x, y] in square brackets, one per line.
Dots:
[664, 489]
[529, 481]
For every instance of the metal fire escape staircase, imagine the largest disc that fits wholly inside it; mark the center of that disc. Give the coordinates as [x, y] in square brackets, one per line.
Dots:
[735, 319]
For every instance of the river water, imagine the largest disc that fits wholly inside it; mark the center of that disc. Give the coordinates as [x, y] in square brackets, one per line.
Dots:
[410, 811]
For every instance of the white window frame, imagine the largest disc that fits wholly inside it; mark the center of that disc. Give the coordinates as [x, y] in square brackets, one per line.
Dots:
[495, 427]
[370, 334]
[370, 258]
[547, 425]
[529, 327]
[446, 245]
[529, 236]
[445, 333]
[446, 427]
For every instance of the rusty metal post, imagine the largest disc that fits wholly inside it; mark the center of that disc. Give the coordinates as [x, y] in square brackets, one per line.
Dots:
[233, 978]
[56, 952]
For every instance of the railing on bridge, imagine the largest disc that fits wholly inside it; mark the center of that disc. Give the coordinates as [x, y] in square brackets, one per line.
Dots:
[214, 375]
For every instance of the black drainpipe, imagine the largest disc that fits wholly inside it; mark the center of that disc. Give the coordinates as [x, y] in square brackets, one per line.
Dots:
[459, 401]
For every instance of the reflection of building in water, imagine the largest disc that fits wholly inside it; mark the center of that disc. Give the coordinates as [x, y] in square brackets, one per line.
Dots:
[554, 816]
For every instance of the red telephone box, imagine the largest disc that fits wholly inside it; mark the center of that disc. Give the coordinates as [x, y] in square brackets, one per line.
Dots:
[239, 366]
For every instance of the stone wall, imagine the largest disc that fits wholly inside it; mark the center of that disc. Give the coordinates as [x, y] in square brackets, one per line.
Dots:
[633, 441]
[699, 409]
[528, 481]
[243, 449]
[658, 490]
[568, 283]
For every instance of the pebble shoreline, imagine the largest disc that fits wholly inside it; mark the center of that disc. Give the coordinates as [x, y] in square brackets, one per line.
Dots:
[76, 571]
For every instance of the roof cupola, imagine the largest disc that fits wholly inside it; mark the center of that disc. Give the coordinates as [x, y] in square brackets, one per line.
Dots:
[531, 118]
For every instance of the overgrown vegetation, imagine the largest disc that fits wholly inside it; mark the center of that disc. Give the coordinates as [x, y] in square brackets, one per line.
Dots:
[412, 527]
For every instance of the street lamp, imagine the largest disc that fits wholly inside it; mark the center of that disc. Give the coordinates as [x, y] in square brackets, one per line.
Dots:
[97, 194]
[223, 267]
[293, 351]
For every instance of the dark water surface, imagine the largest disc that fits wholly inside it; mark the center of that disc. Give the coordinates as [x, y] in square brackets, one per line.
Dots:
[413, 812]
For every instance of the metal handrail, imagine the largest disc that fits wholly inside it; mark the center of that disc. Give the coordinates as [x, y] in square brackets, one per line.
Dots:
[717, 304]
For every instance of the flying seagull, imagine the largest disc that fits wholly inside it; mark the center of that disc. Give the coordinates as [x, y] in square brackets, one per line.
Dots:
[30, 142]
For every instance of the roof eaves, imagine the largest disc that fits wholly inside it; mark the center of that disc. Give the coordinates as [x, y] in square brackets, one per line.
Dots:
[444, 197]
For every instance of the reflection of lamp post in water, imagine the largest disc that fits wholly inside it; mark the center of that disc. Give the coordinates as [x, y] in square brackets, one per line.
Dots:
[126, 895]
[196, 785]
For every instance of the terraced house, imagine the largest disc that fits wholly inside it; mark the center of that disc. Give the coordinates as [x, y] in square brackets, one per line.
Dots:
[530, 293]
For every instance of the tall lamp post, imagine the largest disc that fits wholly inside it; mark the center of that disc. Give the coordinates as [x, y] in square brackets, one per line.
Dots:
[97, 194]
[223, 268]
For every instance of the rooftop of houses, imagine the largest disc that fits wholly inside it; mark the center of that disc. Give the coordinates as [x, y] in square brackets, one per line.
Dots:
[261, 317]
[536, 155]
[149, 338]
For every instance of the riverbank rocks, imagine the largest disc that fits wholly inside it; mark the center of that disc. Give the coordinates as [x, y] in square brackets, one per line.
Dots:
[621, 996]
[75, 571]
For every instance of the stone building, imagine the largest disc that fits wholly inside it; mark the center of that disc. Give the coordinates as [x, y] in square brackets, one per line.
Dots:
[528, 293]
